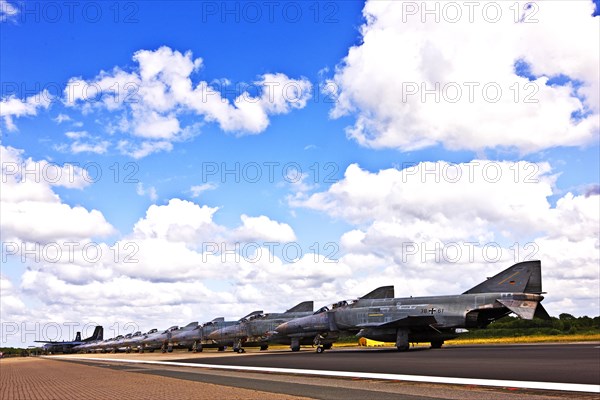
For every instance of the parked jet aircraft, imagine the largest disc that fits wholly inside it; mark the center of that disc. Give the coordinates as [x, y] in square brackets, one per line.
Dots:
[154, 340]
[431, 319]
[195, 339]
[254, 329]
[67, 347]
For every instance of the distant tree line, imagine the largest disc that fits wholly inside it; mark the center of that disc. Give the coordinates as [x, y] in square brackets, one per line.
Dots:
[565, 324]
[16, 352]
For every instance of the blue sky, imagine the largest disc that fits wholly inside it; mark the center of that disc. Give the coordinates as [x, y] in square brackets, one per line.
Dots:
[366, 123]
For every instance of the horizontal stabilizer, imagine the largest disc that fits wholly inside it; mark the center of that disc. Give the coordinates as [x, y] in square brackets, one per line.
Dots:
[384, 292]
[523, 277]
[305, 306]
[540, 312]
[523, 308]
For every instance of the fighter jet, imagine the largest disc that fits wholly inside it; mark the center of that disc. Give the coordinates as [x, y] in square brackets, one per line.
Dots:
[68, 347]
[195, 340]
[254, 329]
[433, 319]
[155, 340]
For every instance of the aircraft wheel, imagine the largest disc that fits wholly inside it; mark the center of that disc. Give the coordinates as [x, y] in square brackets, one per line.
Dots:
[403, 348]
[328, 346]
[264, 347]
[222, 348]
[437, 344]
[240, 350]
[170, 349]
[320, 349]
[296, 348]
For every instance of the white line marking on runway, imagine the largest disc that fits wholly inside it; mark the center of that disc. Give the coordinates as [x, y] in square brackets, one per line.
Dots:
[568, 387]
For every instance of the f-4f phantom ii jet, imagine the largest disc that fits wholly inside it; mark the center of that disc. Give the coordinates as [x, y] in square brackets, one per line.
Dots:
[433, 319]
[196, 339]
[255, 329]
[68, 347]
[155, 340]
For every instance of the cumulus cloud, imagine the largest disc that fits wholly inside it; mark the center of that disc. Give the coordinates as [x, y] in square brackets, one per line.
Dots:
[439, 225]
[263, 228]
[11, 107]
[33, 212]
[156, 94]
[165, 270]
[472, 79]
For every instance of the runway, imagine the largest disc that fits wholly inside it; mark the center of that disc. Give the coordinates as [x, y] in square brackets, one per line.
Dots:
[564, 363]
[532, 371]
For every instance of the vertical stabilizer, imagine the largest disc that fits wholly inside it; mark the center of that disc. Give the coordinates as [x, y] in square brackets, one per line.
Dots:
[305, 306]
[384, 292]
[523, 277]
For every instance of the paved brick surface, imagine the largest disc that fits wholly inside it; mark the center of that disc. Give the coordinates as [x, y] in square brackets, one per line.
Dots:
[44, 379]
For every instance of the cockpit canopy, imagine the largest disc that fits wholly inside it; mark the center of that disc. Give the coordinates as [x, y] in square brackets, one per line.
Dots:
[334, 306]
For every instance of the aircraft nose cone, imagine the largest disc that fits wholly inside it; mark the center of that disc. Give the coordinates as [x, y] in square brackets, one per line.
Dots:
[283, 328]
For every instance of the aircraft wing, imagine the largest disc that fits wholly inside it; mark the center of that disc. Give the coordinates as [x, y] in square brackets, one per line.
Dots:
[407, 322]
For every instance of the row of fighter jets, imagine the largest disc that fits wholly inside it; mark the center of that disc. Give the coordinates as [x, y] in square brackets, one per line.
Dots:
[378, 315]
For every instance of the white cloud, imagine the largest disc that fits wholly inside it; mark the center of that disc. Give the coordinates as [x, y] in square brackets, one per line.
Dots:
[154, 97]
[198, 189]
[162, 273]
[62, 118]
[143, 149]
[383, 80]
[11, 107]
[151, 191]
[178, 221]
[263, 228]
[76, 134]
[32, 212]
[437, 230]
[8, 12]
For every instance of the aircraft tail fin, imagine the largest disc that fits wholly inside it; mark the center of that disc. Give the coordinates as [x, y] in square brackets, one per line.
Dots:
[78, 337]
[190, 326]
[523, 277]
[305, 306]
[220, 319]
[97, 335]
[383, 292]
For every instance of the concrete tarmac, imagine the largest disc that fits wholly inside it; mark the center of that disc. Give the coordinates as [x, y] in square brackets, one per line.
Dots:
[564, 363]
